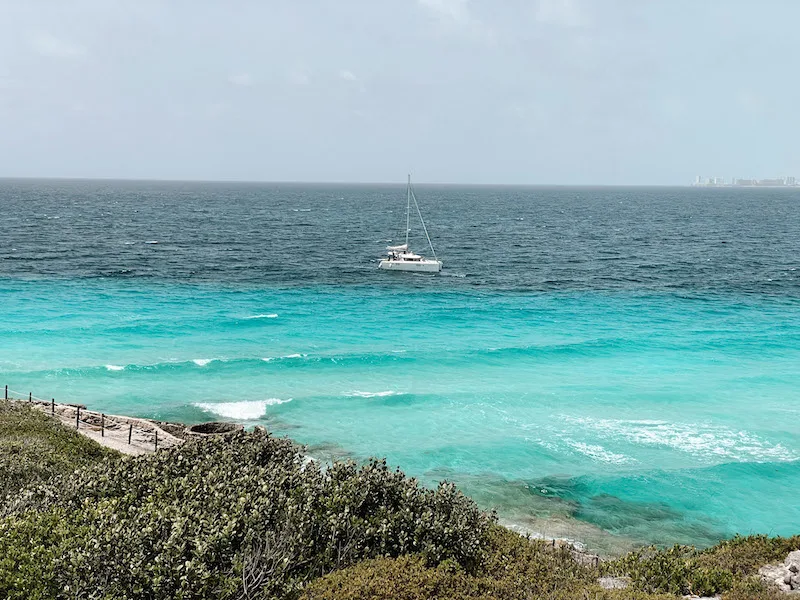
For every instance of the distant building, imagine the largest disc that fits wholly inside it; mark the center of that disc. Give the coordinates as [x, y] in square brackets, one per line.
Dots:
[720, 182]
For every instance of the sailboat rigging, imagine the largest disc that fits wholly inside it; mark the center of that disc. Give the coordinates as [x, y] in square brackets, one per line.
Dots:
[401, 258]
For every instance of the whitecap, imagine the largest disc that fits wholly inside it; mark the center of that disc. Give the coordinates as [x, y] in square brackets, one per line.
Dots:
[246, 410]
[202, 362]
[268, 316]
[152, 242]
[114, 368]
[599, 453]
[700, 440]
[360, 394]
[271, 358]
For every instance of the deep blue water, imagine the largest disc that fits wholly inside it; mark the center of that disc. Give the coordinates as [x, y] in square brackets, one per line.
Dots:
[616, 366]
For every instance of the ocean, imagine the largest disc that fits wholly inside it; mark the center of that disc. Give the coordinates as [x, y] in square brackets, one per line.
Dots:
[616, 366]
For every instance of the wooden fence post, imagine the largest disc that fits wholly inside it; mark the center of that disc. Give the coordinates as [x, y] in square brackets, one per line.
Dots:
[130, 432]
[52, 406]
[30, 396]
[156, 440]
[77, 418]
[102, 425]
[6, 392]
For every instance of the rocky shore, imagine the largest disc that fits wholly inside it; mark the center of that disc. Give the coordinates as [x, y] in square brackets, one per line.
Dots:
[786, 576]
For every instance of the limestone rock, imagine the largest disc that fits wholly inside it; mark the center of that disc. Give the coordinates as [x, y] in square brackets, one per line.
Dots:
[614, 583]
[786, 577]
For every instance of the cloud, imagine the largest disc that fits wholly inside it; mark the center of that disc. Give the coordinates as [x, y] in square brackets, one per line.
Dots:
[564, 13]
[46, 44]
[455, 17]
[241, 79]
[299, 77]
[347, 75]
[750, 101]
[455, 10]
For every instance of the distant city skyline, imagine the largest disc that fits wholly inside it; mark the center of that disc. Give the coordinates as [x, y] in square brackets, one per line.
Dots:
[789, 181]
[572, 92]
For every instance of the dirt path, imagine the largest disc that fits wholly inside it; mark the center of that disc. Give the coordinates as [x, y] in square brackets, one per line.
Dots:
[128, 435]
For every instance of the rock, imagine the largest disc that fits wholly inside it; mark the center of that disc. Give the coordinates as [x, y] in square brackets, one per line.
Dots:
[213, 428]
[786, 576]
[614, 583]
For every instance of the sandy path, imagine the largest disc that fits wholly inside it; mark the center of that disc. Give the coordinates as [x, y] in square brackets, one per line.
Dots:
[112, 431]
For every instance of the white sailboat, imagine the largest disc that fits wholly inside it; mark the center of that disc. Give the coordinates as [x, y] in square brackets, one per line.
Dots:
[401, 258]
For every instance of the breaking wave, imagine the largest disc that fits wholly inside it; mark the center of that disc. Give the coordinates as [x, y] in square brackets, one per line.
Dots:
[248, 410]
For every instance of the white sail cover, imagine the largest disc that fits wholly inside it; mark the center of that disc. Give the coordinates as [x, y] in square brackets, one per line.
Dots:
[402, 248]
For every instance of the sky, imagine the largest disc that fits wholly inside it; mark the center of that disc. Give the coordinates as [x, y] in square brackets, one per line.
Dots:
[456, 91]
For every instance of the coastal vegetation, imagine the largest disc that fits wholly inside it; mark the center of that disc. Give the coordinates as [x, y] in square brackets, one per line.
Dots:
[34, 449]
[249, 516]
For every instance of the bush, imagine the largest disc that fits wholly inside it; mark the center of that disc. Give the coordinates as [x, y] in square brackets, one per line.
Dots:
[244, 517]
[745, 555]
[513, 568]
[674, 570]
[35, 447]
[752, 588]
[721, 568]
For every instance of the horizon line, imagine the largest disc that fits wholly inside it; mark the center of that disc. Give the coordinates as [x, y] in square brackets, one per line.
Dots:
[307, 182]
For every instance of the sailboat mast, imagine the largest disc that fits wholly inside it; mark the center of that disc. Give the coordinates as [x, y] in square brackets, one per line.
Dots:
[421, 220]
[408, 208]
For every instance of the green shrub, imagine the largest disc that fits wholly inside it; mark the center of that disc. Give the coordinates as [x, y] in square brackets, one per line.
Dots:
[673, 570]
[513, 568]
[745, 555]
[35, 447]
[751, 588]
[721, 568]
[242, 517]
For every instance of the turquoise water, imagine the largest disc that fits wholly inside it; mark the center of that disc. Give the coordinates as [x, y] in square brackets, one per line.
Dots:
[614, 366]
[655, 418]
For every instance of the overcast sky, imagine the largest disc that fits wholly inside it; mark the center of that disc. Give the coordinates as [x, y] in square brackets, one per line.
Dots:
[470, 91]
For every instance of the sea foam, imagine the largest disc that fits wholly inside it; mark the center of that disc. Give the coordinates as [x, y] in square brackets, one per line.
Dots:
[202, 362]
[115, 368]
[360, 394]
[700, 440]
[267, 316]
[247, 410]
[598, 453]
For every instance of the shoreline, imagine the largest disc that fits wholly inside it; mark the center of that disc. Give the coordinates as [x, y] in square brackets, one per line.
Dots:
[112, 431]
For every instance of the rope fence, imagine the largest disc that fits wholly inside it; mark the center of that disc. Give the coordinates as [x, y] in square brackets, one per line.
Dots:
[88, 419]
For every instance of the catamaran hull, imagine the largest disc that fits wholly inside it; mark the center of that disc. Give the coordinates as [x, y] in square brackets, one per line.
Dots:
[421, 266]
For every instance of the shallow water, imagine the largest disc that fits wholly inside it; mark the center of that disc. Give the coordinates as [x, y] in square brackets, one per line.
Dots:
[616, 366]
